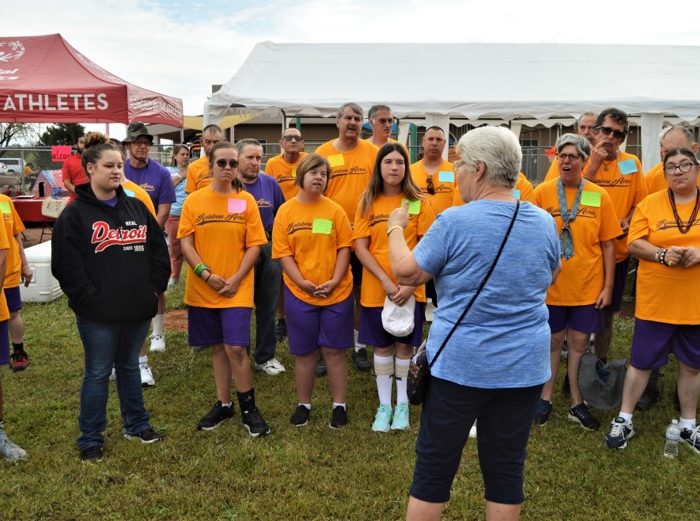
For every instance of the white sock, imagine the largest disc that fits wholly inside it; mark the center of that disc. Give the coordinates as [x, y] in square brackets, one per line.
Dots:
[358, 345]
[157, 324]
[401, 377]
[384, 369]
[686, 423]
[336, 404]
[307, 405]
[143, 359]
[627, 416]
[227, 405]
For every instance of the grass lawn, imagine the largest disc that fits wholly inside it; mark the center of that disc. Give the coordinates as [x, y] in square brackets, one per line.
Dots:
[297, 473]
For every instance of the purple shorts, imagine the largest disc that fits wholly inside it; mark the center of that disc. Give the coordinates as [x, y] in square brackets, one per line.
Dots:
[311, 327]
[586, 319]
[4, 343]
[372, 331]
[14, 299]
[619, 284]
[654, 341]
[213, 326]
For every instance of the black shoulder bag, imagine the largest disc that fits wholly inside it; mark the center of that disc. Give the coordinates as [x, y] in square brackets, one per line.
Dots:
[419, 370]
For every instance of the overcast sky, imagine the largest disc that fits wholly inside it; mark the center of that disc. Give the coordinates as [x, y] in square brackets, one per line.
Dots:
[181, 48]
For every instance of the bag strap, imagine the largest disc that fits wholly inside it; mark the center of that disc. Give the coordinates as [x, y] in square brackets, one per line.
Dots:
[481, 286]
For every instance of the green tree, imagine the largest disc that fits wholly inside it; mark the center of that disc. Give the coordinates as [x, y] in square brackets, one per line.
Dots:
[10, 132]
[62, 134]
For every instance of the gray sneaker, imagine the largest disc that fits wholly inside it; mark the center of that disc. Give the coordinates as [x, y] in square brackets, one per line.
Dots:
[9, 450]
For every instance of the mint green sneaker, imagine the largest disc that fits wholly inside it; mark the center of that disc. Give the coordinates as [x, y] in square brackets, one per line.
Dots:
[400, 421]
[382, 420]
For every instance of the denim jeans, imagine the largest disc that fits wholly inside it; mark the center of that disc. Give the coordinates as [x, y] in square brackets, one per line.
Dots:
[108, 345]
[268, 280]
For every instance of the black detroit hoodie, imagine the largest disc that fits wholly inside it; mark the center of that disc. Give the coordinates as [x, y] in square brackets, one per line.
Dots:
[112, 263]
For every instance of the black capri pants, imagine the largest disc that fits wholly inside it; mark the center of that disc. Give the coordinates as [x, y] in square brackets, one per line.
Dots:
[503, 428]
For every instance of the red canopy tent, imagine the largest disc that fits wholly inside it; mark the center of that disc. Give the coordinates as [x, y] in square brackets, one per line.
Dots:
[45, 80]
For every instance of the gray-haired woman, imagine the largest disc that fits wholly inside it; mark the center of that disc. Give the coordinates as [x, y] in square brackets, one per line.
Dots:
[493, 366]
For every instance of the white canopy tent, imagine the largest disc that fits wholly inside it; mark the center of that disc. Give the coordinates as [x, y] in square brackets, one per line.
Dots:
[510, 82]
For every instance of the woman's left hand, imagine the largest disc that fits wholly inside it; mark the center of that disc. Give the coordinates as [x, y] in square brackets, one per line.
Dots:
[26, 274]
[398, 217]
[230, 287]
[691, 257]
[604, 299]
[402, 295]
[325, 289]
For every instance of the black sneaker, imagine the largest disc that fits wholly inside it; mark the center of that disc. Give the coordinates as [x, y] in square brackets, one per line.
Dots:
[320, 367]
[581, 415]
[19, 360]
[542, 412]
[215, 417]
[691, 439]
[339, 418]
[620, 432]
[93, 453]
[146, 436]
[254, 422]
[280, 329]
[300, 416]
[359, 356]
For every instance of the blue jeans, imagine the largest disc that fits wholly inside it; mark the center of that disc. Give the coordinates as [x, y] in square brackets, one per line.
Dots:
[108, 345]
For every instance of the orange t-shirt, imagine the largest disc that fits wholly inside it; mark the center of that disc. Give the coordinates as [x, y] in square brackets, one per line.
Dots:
[582, 276]
[666, 294]
[373, 225]
[5, 244]
[552, 171]
[131, 189]
[312, 234]
[350, 173]
[198, 175]
[523, 190]
[444, 182]
[224, 227]
[285, 173]
[624, 181]
[656, 180]
[13, 227]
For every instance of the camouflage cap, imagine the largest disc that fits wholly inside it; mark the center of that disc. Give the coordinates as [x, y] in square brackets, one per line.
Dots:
[136, 129]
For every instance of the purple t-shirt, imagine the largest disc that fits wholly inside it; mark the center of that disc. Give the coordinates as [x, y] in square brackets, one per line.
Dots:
[155, 179]
[268, 196]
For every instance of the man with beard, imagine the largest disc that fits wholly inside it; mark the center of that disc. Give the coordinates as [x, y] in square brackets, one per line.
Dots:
[352, 160]
[198, 172]
[156, 180]
[268, 271]
[73, 172]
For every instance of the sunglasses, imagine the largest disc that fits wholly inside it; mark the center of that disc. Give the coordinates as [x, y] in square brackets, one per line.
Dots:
[429, 185]
[617, 134]
[570, 157]
[291, 138]
[221, 163]
[384, 121]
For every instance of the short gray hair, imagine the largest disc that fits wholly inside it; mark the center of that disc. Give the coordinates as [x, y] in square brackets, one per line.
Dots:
[498, 149]
[376, 108]
[242, 143]
[678, 129]
[353, 106]
[587, 113]
[583, 146]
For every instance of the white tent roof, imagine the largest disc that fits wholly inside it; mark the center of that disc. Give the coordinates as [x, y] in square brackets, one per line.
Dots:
[507, 81]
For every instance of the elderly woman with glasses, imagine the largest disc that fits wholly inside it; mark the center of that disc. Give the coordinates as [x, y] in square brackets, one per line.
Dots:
[492, 368]
[587, 224]
[665, 236]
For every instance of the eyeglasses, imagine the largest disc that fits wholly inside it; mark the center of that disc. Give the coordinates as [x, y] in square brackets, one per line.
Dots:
[429, 185]
[384, 121]
[617, 134]
[291, 138]
[683, 168]
[570, 157]
[221, 163]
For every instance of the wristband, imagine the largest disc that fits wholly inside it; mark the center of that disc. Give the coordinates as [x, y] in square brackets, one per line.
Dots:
[199, 268]
[392, 228]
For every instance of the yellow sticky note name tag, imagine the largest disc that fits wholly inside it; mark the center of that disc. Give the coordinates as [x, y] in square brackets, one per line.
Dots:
[590, 198]
[322, 226]
[413, 206]
[336, 160]
[5, 207]
[294, 171]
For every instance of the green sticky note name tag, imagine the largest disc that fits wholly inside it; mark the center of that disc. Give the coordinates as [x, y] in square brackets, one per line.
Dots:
[322, 226]
[5, 207]
[129, 193]
[446, 176]
[590, 198]
[516, 193]
[413, 206]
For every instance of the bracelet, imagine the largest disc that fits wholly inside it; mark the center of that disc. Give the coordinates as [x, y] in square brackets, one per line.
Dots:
[392, 228]
[661, 256]
[199, 268]
[208, 277]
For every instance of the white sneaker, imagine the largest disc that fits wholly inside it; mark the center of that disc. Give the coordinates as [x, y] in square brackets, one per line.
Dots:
[472, 431]
[157, 343]
[271, 367]
[146, 375]
[113, 376]
[172, 282]
[10, 451]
